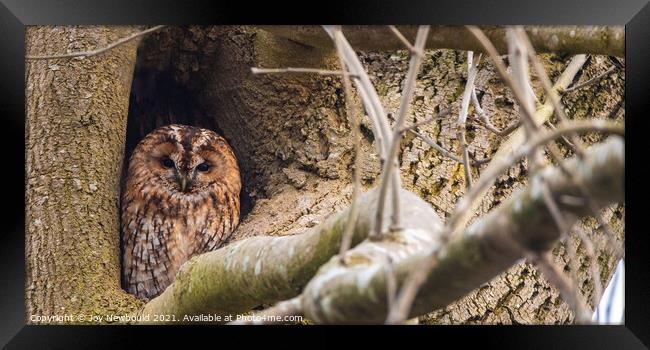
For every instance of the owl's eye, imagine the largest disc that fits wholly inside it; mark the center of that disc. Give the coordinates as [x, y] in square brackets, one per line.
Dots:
[168, 163]
[203, 167]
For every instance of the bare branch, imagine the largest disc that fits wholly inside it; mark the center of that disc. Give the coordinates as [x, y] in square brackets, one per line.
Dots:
[353, 117]
[390, 174]
[417, 277]
[567, 288]
[472, 70]
[564, 286]
[85, 54]
[428, 120]
[490, 175]
[485, 120]
[519, 81]
[488, 247]
[445, 152]
[368, 95]
[578, 145]
[566, 141]
[600, 40]
[405, 41]
[256, 70]
[517, 138]
[590, 81]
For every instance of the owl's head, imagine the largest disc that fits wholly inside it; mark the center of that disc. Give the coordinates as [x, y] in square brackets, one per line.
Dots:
[184, 160]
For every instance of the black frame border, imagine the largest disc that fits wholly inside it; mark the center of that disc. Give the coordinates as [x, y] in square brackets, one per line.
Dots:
[634, 14]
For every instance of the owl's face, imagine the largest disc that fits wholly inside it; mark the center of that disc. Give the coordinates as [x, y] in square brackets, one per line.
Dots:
[185, 161]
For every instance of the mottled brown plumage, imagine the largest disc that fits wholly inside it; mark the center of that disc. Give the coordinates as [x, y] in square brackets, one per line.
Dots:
[181, 199]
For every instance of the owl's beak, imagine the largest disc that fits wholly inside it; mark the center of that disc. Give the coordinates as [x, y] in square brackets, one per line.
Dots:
[185, 183]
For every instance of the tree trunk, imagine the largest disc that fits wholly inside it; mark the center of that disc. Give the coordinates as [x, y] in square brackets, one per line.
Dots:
[76, 122]
[292, 139]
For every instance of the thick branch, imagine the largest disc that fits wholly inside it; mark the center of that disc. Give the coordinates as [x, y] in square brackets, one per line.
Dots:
[260, 270]
[357, 294]
[601, 40]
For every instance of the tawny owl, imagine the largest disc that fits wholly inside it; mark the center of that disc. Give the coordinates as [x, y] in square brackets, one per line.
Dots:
[181, 199]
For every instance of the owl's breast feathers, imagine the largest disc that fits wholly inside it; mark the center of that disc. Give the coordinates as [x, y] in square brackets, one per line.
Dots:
[159, 235]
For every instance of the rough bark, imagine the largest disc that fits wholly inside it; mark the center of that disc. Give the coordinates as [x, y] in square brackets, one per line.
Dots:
[292, 139]
[76, 121]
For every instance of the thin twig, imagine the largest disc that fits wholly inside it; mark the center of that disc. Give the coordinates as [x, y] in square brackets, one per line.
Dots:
[256, 70]
[503, 133]
[419, 53]
[390, 172]
[593, 265]
[467, 170]
[402, 306]
[405, 41]
[564, 286]
[563, 228]
[353, 117]
[472, 70]
[368, 95]
[426, 121]
[90, 53]
[445, 152]
[519, 81]
[548, 88]
[485, 121]
[590, 81]
[566, 140]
